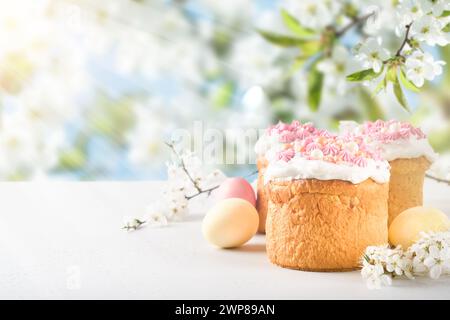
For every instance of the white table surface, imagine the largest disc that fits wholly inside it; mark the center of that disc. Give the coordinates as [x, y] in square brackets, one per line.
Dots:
[63, 240]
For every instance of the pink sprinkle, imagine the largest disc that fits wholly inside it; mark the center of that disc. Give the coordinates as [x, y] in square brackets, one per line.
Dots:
[286, 155]
[312, 146]
[391, 130]
[346, 156]
[287, 137]
[330, 149]
[360, 161]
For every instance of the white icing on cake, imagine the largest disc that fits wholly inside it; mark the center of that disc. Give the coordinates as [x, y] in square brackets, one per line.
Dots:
[301, 168]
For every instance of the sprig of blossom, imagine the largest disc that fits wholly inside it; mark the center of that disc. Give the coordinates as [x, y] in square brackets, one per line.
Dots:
[381, 264]
[419, 22]
[430, 255]
[316, 28]
[186, 180]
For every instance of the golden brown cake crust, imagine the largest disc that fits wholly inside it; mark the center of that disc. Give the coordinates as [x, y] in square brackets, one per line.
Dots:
[320, 225]
[406, 184]
[261, 198]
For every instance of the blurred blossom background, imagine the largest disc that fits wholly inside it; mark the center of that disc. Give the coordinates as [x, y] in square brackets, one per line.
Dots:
[90, 90]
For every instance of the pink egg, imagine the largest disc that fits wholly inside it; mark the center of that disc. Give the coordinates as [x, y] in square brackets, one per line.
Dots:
[236, 188]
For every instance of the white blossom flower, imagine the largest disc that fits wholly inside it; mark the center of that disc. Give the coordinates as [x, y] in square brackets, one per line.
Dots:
[177, 203]
[437, 261]
[408, 11]
[431, 254]
[315, 14]
[375, 276]
[336, 68]
[421, 66]
[436, 7]
[372, 54]
[381, 264]
[429, 29]
[155, 216]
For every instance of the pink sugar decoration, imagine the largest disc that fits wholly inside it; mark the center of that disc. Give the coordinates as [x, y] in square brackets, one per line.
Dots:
[303, 139]
[312, 146]
[360, 161]
[302, 134]
[330, 149]
[391, 130]
[346, 156]
[287, 137]
[286, 155]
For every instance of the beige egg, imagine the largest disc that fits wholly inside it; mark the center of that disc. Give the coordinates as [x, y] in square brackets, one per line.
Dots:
[230, 223]
[406, 227]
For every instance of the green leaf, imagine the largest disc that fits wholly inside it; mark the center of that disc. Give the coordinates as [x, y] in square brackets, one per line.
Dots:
[446, 28]
[446, 13]
[398, 91]
[315, 84]
[363, 75]
[281, 40]
[391, 74]
[294, 25]
[381, 86]
[298, 64]
[310, 48]
[406, 83]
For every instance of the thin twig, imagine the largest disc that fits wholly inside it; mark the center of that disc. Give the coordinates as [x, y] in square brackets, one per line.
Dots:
[209, 190]
[183, 166]
[438, 179]
[356, 21]
[186, 171]
[405, 41]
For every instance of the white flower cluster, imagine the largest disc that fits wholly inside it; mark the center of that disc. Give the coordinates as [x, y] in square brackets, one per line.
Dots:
[419, 22]
[316, 14]
[430, 255]
[187, 179]
[381, 264]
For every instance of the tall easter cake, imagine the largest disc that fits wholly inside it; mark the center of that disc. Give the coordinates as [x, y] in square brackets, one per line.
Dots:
[327, 202]
[409, 155]
[275, 139]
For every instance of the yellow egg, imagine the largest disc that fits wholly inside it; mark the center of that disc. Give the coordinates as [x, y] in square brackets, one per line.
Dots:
[230, 223]
[406, 227]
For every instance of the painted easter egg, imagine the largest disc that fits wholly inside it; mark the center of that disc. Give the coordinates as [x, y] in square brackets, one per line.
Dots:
[230, 223]
[406, 227]
[236, 188]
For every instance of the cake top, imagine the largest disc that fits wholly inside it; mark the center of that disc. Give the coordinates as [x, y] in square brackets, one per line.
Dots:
[392, 130]
[394, 139]
[310, 153]
[287, 133]
[277, 135]
[324, 146]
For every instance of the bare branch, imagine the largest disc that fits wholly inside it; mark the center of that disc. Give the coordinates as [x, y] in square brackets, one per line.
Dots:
[186, 171]
[438, 179]
[355, 21]
[405, 40]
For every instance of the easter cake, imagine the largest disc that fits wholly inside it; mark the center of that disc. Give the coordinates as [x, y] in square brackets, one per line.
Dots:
[327, 202]
[409, 154]
[275, 139]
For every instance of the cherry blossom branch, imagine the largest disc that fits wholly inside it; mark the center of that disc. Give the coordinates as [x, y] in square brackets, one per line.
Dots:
[186, 171]
[438, 179]
[355, 21]
[405, 40]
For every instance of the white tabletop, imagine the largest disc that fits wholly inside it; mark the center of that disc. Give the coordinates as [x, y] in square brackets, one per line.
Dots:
[63, 240]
